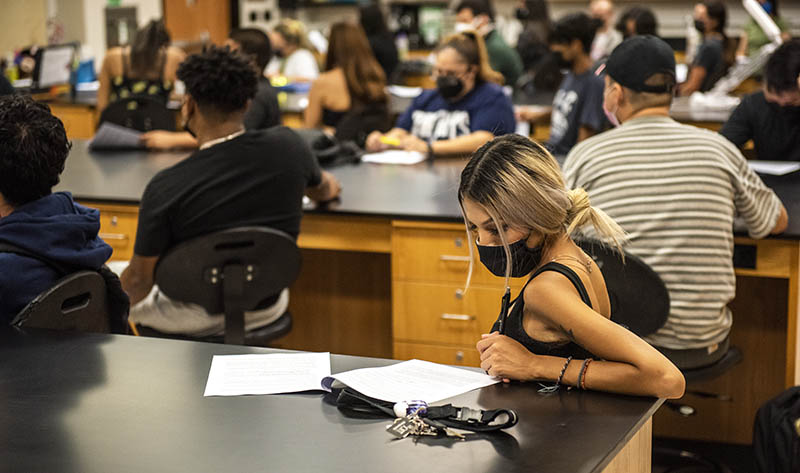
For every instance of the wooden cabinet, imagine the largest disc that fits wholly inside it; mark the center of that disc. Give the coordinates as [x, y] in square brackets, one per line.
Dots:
[79, 120]
[118, 227]
[433, 318]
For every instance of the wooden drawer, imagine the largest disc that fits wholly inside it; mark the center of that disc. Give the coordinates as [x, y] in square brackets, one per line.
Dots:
[118, 228]
[435, 255]
[79, 120]
[439, 313]
[464, 356]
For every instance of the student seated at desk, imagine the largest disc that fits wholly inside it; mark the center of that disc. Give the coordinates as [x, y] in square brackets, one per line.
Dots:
[349, 99]
[33, 149]
[515, 203]
[263, 111]
[478, 15]
[147, 67]
[715, 54]
[294, 53]
[577, 111]
[465, 110]
[236, 178]
[753, 37]
[675, 189]
[381, 40]
[637, 20]
[771, 117]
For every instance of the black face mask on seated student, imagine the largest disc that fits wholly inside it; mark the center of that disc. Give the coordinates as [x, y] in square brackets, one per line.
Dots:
[522, 14]
[560, 61]
[449, 86]
[700, 26]
[523, 259]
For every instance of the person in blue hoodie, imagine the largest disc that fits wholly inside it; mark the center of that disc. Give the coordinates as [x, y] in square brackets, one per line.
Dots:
[33, 150]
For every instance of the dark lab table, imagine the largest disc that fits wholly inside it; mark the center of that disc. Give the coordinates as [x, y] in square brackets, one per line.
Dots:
[113, 403]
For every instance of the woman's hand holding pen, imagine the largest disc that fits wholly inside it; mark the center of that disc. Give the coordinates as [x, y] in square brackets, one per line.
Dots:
[506, 358]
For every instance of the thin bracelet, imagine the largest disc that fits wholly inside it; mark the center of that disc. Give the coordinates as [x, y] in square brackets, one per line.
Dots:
[554, 387]
[580, 373]
[583, 374]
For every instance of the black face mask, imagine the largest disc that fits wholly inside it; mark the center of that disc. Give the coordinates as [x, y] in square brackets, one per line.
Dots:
[279, 53]
[522, 14]
[700, 26]
[560, 61]
[523, 259]
[449, 86]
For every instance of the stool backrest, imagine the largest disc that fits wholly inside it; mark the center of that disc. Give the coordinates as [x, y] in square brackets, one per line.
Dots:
[78, 301]
[139, 113]
[193, 271]
[639, 298]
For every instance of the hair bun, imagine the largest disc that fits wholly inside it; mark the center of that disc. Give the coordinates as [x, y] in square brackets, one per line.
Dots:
[579, 200]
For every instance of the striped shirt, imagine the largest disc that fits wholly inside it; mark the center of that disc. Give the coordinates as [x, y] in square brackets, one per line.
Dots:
[676, 189]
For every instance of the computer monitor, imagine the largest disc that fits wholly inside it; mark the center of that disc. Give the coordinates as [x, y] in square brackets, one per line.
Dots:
[54, 65]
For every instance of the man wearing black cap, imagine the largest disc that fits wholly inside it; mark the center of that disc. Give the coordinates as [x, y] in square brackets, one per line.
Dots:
[675, 189]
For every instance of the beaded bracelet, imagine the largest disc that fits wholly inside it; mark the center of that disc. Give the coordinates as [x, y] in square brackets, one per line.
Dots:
[554, 388]
[582, 376]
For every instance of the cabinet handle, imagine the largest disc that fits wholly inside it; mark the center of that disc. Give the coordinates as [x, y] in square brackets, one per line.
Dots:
[464, 259]
[464, 317]
[114, 236]
[459, 355]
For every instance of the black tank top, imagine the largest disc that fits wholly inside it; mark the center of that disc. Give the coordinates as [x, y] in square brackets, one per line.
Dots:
[515, 329]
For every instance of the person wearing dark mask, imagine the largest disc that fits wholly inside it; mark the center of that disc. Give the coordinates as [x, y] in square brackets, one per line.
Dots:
[771, 117]
[542, 75]
[637, 20]
[465, 110]
[753, 37]
[577, 111]
[715, 54]
[559, 328]
[675, 189]
[478, 15]
[294, 54]
[236, 178]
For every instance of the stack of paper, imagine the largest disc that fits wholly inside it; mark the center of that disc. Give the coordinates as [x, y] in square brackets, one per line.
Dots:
[112, 136]
[237, 375]
[394, 156]
[774, 168]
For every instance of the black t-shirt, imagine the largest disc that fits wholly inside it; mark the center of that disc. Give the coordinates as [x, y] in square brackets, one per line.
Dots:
[775, 130]
[711, 56]
[258, 178]
[264, 111]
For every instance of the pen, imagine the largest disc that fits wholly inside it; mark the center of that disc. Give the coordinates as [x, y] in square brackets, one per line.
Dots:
[504, 310]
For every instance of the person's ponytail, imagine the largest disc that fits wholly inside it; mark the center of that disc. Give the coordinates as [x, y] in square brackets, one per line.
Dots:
[581, 213]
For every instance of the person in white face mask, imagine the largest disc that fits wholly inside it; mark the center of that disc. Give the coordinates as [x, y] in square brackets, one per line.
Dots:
[675, 190]
[478, 15]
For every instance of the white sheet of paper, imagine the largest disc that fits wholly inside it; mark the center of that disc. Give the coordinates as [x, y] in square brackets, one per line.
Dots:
[774, 168]
[110, 136]
[274, 373]
[55, 66]
[412, 380]
[404, 92]
[394, 156]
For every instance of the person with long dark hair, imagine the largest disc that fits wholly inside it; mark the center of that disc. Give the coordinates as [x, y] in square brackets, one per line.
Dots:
[380, 38]
[716, 52]
[637, 20]
[146, 67]
[353, 84]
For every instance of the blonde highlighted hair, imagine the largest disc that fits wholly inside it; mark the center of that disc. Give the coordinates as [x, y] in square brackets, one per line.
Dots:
[471, 47]
[519, 184]
[294, 32]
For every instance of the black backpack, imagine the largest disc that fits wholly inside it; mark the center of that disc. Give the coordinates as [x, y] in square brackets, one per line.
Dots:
[776, 434]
